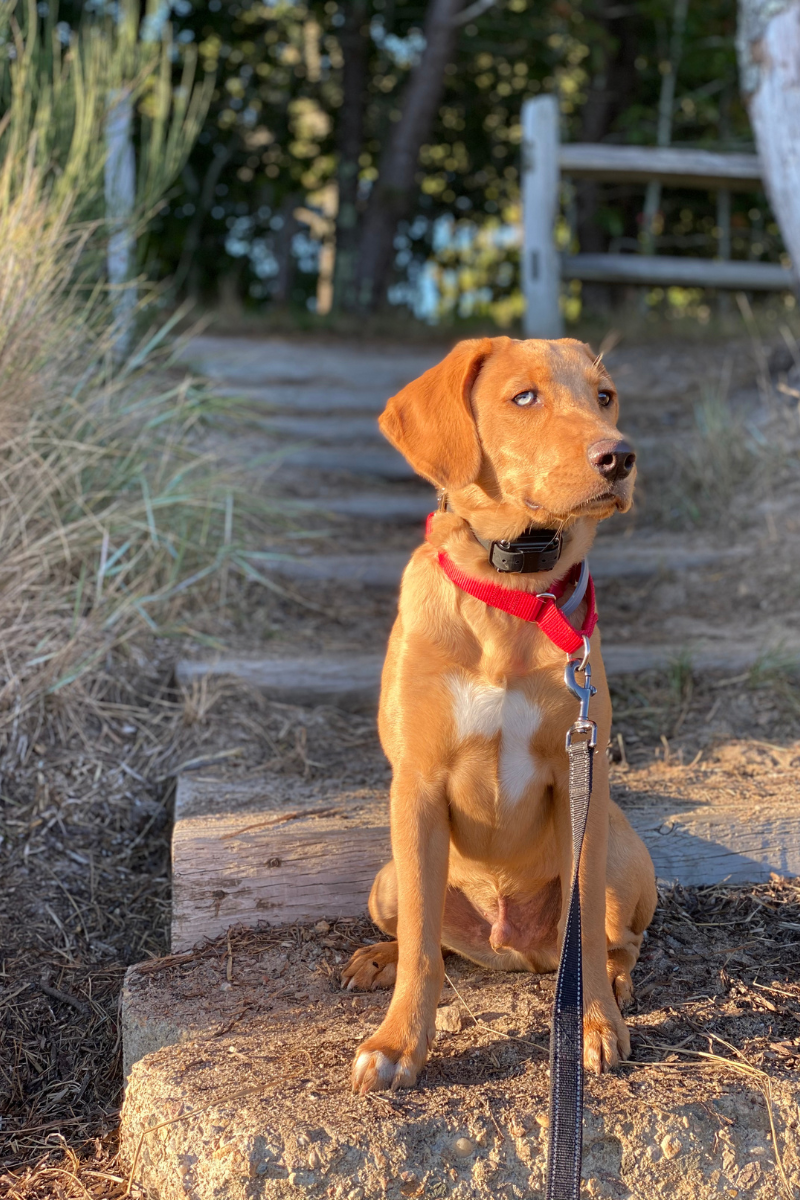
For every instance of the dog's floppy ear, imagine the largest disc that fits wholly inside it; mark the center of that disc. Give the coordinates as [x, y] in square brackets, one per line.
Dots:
[431, 423]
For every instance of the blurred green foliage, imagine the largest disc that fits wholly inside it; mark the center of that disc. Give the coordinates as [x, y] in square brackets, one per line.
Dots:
[253, 211]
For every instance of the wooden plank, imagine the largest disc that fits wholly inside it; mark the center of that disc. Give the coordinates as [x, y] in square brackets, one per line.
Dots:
[768, 45]
[239, 856]
[382, 462]
[245, 853]
[400, 506]
[350, 681]
[312, 399]
[666, 271]
[540, 197]
[383, 570]
[729, 842]
[678, 166]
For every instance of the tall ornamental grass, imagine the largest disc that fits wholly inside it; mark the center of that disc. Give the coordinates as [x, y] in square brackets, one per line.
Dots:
[109, 511]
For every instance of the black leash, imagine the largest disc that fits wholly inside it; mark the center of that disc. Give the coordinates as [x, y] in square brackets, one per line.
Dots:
[566, 1039]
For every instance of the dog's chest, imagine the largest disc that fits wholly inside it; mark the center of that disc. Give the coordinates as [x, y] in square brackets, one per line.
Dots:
[481, 711]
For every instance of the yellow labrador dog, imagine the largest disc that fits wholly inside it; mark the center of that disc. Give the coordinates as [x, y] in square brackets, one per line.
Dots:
[474, 710]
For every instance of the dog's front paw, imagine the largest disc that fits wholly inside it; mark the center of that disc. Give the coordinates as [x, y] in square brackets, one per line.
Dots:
[605, 1037]
[371, 967]
[386, 1062]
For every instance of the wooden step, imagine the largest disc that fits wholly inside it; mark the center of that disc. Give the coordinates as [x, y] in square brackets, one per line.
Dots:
[381, 570]
[403, 506]
[277, 361]
[350, 681]
[326, 429]
[272, 850]
[305, 398]
[281, 851]
[380, 462]
[384, 569]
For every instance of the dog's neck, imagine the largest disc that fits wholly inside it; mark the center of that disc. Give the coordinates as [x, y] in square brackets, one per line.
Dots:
[472, 552]
[535, 551]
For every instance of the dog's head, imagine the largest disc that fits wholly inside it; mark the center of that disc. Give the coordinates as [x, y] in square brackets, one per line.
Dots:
[524, 431]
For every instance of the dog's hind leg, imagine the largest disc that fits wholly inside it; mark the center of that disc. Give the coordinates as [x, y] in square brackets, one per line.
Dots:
[376, 966]
[371, 967]
[630, 902]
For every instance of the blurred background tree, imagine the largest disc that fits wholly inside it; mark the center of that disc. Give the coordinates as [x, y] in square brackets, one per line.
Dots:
[301, 193]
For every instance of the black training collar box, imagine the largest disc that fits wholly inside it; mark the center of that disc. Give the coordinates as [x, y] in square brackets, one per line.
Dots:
[534, 550]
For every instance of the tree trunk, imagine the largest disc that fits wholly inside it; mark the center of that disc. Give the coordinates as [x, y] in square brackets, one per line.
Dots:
[205, 199]
[282, 287]
[666, 112]
[768, 45]
[394, 190]
[354, 42]
[608, 93]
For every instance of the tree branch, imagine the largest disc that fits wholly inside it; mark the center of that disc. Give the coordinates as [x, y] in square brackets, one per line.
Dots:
[472, 11]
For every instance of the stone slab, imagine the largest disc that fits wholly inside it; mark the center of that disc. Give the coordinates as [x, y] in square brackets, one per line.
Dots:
[251, 1101]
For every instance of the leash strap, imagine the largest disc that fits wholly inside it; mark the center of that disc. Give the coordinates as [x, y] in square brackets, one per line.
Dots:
[566, 1039]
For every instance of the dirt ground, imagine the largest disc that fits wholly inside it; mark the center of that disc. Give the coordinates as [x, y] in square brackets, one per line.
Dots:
[85, 826]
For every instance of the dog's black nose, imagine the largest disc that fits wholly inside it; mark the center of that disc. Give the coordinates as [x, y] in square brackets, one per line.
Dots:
[614, 460]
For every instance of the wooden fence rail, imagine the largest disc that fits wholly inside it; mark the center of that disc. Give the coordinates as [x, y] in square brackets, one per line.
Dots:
[545, 160]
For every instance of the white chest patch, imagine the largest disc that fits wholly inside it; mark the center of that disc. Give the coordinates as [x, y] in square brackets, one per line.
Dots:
[484, 710]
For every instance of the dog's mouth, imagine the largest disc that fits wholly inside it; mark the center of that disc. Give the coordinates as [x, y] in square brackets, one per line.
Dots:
[600, 502]
[597, 503]
[601, 499]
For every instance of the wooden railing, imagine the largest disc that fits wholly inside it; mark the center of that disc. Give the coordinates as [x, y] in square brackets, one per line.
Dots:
[545, 160]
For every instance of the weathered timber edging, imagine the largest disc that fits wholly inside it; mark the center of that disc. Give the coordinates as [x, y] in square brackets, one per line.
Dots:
[246, 853]
[353, 680]
[384, 569]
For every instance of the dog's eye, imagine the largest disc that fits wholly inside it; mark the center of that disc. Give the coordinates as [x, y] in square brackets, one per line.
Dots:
[604, 399]
[524, 399]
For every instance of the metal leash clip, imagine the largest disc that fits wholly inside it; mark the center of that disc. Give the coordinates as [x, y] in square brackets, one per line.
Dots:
[583, 693]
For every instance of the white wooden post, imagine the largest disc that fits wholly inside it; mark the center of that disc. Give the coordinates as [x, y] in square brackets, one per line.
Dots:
[768, 42]
[541, 274]
[120, 195]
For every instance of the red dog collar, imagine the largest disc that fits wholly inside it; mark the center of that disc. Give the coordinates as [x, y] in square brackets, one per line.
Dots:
[528, 606]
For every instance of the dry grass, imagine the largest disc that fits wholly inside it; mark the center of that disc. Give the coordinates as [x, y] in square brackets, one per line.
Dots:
[108, 516]
[733, 455]
[728, 464]
[111, 517]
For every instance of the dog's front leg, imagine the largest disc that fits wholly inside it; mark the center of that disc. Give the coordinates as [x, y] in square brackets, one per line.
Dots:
[394, 1055]
[605, 1035]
